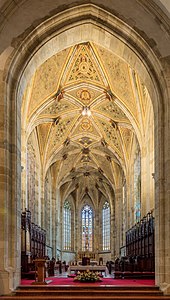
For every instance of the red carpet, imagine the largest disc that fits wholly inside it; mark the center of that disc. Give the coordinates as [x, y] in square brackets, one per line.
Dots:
[105, 281]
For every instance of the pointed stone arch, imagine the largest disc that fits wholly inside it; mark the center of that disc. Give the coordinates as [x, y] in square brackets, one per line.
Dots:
[34, 50]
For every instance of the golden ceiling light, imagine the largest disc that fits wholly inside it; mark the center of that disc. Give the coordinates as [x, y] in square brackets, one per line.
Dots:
[86, 111]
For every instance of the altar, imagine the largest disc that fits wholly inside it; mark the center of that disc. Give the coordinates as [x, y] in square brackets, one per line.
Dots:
[101, 269]
[92, 262]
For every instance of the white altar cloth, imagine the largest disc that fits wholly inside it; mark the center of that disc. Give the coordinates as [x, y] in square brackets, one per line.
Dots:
[92, 262]
[88, 267]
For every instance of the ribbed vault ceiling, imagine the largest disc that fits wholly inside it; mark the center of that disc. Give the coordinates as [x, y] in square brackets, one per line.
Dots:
[87, 151]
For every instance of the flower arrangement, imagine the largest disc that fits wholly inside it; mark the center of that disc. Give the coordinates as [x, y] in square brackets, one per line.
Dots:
[87, 276]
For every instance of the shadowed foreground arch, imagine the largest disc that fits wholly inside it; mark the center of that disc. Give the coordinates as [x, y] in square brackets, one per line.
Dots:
[84, 23]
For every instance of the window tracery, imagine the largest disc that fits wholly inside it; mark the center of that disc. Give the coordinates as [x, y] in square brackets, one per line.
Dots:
[87, 228]
[67, 226]
[106, 226]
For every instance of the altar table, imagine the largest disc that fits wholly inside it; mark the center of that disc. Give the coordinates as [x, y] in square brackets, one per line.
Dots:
[88, 267]
[92, 262]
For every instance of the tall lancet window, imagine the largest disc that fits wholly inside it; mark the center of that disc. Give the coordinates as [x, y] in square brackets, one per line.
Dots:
[106, 226]
[87, 228]
[67, 226]
[31, 179]
[137, 187]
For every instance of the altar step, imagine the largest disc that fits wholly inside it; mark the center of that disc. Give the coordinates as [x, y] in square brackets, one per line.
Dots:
[86, 293]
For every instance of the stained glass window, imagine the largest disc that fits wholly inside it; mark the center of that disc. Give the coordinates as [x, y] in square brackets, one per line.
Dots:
[87, 228]
[137, 188]
[106, 226]
[31, 180]
[67, 226]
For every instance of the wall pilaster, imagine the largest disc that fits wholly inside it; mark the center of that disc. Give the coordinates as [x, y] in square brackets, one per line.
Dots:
[118, 219]
[162, 193]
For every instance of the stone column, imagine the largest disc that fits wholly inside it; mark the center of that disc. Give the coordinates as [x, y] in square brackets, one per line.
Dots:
[130, 201]
[113, 233]
[76, 237]
[167, 186]
[160, 234]
[58, 225]
[147, 173]
[162, 192]
[54, 223]
[23, 173]
[10, 191]
[118, 219]
[42, 201]
[61, 229]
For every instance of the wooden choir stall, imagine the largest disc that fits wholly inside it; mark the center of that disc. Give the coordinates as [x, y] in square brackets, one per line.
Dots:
[140, 251]
[33, 244]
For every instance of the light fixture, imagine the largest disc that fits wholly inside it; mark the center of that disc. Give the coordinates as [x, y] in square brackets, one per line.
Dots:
[86, 111]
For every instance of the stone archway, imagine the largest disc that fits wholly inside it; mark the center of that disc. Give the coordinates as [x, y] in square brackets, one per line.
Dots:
[58, 35]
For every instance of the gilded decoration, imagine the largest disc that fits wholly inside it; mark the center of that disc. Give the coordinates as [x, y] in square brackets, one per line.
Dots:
[59, 107]
[85, 125]
[98, 146]
[119, 78]
[85, 95]
[59, 132]
[85, 141]
[73, 147]
[67, 165]
[110, 109]
[62, 88]
[47, 78]
[110, 134]
[83, 66]
[104, 164]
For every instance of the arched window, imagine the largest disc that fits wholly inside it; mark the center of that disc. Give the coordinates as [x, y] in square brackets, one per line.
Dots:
[67, 226]
[106, 226]
[87, 228]
[137, 187]
[31, 179]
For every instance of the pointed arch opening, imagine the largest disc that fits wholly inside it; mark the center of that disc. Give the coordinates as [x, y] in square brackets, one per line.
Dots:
[87, 228]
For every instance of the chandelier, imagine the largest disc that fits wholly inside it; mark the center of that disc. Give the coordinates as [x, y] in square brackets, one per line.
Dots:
[86, 111]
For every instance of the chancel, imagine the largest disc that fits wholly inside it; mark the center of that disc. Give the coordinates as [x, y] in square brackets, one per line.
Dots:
[85, 144]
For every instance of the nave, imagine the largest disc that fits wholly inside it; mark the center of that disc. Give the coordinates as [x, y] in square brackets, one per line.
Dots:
[84, 142]
[139, 261]
[85, 169]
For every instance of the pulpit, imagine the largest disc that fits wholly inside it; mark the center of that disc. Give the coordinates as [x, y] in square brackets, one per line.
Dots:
[40, 269]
